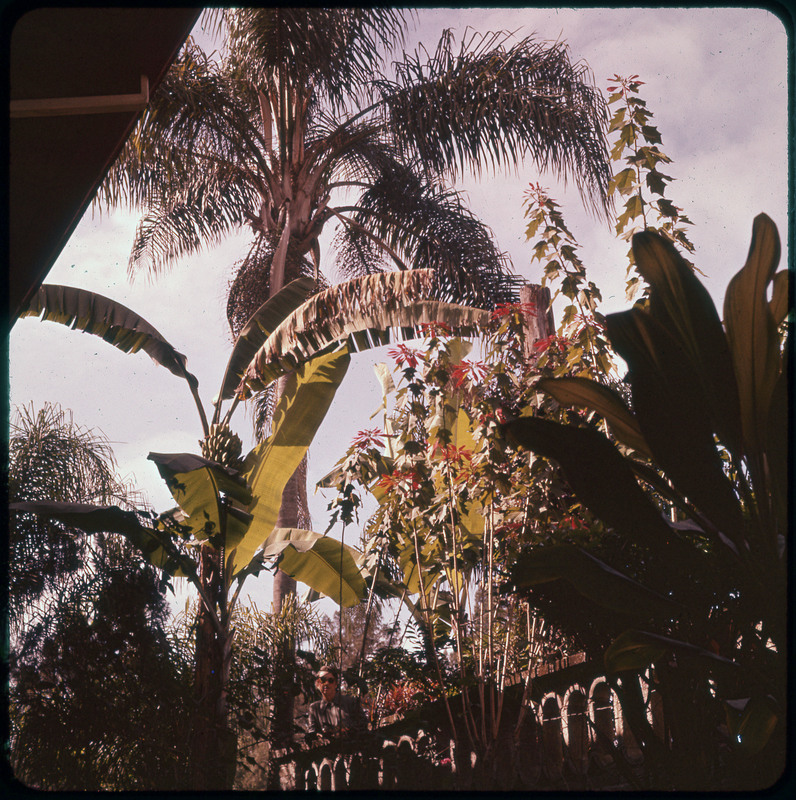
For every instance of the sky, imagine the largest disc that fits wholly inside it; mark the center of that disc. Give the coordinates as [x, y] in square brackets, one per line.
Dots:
[716, 83]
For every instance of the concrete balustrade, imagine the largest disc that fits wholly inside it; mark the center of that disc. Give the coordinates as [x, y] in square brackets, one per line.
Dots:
[566, 739]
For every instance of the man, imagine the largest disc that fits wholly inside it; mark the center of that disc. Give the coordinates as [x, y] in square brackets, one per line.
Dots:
[335, 713]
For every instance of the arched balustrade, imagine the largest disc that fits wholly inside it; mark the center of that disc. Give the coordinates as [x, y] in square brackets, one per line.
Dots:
[555, 743]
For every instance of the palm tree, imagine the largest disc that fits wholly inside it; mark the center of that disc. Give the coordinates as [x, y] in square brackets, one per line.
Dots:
[299, 126]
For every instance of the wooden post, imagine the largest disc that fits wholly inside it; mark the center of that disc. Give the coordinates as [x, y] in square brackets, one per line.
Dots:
[540, 324]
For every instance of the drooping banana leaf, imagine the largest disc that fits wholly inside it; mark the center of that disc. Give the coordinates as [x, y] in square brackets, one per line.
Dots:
[366, 312]
[317, 560]
[262, 323]
[154, 544]
[197, 485]
[673, 417]
[682, 305]
[752, 330]
[599, 398]
[298, 415]
[591, 577]
[113, 322]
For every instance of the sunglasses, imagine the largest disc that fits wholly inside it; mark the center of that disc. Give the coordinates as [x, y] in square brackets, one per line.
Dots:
[328, 680]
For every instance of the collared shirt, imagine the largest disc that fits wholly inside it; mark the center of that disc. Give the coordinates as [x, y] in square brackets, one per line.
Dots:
[341, 712]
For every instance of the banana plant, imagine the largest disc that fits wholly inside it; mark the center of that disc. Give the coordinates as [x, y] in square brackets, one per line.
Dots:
[223, 527]
[706, 434]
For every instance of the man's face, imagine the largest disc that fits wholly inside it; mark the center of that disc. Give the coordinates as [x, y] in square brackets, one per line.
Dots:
[328, 686]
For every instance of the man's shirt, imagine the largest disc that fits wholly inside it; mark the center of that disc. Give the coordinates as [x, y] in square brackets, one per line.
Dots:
[340, 712]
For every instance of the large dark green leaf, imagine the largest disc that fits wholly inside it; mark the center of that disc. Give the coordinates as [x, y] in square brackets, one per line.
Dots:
[323, 563]
[301, 410]
[111, 519]
[605, 401]
[264, 321]
[602, 480]
[668, 404]
[682, 305]
[751, 721]
[591, 577]
[752, 330]
[635, 650]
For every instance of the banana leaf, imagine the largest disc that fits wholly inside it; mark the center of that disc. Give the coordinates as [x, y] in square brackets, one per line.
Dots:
[115, 323]
[780, 299]
[606, 402]
[673, 418]
[366, 312]
[591, 577]
[752, 331]
[197, 485]
[323, 563]
[154, 544]
[682, 305]
[298, 415]
[262, 323]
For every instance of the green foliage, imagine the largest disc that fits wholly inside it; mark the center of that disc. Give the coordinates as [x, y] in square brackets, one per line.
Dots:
[90, 660]
[704, 402]
[641, 181]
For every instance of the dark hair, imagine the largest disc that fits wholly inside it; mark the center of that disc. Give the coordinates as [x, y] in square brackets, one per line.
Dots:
[331, 670]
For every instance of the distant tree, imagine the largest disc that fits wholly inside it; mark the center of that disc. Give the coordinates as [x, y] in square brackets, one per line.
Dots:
[354, 631]
[97, 694]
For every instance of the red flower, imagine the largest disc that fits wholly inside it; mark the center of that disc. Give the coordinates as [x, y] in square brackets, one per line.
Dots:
[558, 341]
[504, 309]
[404, 355]
[368, 438]
[472, 370]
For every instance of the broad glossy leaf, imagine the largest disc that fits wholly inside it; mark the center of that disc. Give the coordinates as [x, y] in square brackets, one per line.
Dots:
[93, 313]
[111, 519]
[634, 650]
[602, 480]
[780, 300]
[197, 485]
[591, 577]
[668, 404]
[323, 563]
[262, 323]
[682, 305]
[751, 721]
[752, 330]
[366, 312]
[299, 413]
[605, 401]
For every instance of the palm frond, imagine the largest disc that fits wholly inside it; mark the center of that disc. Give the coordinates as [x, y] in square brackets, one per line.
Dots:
[336, 50]
[430, 227]
[497, 104]
[193, 121]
